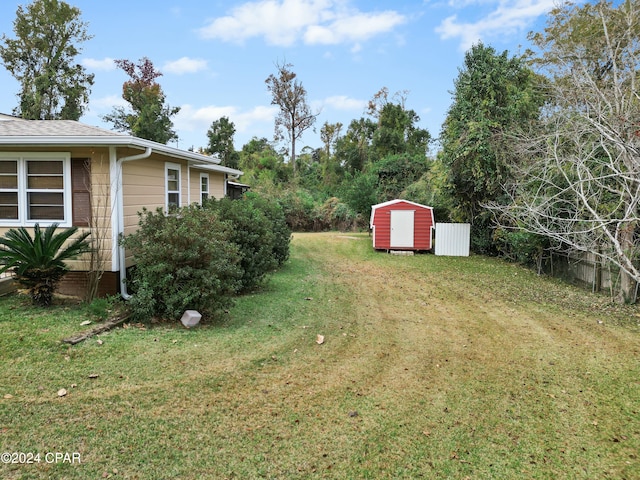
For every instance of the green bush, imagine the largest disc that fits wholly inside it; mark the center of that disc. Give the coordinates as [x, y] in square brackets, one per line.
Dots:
[359, 192]
[182, 261]
[339, 216]
[281, 231]
[252, 233]
[520, 246]
[299, 210]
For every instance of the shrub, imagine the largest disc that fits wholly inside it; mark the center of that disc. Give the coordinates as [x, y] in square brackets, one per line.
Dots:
[359, 192]
[520, 246]
[252, 231]
[39, 262]
[339, 216]
[182, 261]
[281, 231]
[298, 209]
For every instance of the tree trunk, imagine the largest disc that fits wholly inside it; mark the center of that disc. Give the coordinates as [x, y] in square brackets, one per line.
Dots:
[293, 153]
[627, 283]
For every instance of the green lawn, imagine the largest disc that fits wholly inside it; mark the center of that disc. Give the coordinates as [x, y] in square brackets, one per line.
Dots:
[432, 367]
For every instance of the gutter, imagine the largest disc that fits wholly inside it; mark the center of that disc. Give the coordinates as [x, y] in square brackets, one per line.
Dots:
[120, 217]
[103, 141]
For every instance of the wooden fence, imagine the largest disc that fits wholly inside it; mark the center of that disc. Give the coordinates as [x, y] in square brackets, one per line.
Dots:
[584, 269]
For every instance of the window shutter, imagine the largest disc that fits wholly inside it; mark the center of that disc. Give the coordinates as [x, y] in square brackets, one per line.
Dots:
[81, 191]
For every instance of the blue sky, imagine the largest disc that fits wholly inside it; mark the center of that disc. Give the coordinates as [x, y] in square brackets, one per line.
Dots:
[216, 55]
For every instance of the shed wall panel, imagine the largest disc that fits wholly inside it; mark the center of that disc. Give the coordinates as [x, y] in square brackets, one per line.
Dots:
[453, 239]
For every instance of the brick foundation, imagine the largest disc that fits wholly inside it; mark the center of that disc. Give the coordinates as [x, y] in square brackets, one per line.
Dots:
[75, 284]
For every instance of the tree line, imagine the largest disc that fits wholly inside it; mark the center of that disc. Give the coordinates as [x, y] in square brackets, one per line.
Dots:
[539, 151]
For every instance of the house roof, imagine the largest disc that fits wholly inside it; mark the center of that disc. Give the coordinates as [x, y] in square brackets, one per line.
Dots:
[4, 116]
[218, 168]
[15, 132]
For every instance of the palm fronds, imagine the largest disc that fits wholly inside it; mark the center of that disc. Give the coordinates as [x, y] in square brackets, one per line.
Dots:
[38, 262]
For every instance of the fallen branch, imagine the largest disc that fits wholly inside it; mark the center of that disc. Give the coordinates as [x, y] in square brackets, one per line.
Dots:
[108, 325]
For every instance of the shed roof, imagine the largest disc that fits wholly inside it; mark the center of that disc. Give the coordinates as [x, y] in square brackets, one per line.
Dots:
[392, 202]
[398, 200]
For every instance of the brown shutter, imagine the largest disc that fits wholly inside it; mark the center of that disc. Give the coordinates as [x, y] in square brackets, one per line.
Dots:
[81, 191]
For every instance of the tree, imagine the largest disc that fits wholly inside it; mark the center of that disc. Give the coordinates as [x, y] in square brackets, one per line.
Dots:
[295, 116]
[380, 99]
[431, 189]
[39, 262]
[396, 172]
[493, 95]
[580, 184]
[41, 58]
[263, 166]
[220, 136]
[353, 149]
[329, 134]
[397, 132]
[148, 117]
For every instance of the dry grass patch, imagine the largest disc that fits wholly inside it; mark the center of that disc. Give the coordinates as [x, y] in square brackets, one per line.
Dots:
[432, 368]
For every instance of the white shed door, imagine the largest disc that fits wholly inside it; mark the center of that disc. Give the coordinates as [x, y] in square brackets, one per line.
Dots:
[402, 228]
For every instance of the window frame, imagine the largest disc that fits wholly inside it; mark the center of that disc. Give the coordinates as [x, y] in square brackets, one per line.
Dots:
[172, 166]
[23, 189]
[208, 190]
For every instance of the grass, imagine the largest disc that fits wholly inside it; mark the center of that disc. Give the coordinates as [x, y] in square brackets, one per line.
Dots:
[432, 367]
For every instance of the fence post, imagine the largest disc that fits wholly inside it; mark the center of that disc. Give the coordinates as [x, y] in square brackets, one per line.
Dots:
[597, 280]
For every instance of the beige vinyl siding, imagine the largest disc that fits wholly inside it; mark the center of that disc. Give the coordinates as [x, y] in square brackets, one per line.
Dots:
[216, 185]
[100, 199]
[100, 207]
[194, 185]
[144, 186]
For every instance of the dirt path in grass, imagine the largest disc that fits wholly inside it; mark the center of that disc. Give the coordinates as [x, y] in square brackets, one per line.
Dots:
[445, 351]
[410, 318]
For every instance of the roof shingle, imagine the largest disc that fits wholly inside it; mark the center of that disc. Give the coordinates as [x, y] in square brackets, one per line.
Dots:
[51, 128]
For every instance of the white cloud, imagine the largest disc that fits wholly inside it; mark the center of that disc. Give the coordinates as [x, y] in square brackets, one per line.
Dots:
[467, 3]
[342, 102]
[507, 17]
[185, 65]
[106, 64]
[316, 22]
[353, 28]
[199, 119]
[105, 104]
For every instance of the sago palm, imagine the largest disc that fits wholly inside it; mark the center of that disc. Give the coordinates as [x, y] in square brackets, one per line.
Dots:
[38, 263]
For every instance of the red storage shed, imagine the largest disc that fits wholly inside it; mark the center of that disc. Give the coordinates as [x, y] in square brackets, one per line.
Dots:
[402, 225]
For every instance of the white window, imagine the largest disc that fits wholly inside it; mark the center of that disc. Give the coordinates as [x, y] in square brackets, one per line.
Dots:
[204, 187]
[35, 188]
[172, 175]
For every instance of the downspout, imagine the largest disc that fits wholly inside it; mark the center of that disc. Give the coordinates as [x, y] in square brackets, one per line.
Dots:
[121, 253]
[189, 183]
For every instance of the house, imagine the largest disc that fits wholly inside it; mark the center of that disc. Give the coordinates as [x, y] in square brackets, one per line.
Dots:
[401, 225]
[66, 172]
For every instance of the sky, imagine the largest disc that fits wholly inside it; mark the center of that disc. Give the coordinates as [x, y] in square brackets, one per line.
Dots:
[215, 55]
